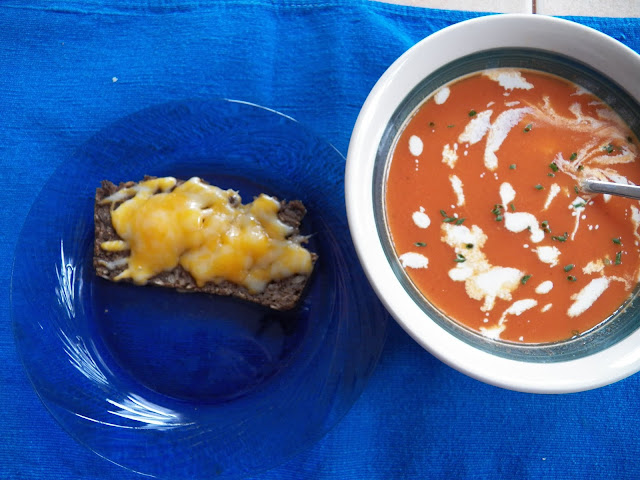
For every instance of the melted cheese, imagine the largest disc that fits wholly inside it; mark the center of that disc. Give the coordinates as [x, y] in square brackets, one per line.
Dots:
[207, 231]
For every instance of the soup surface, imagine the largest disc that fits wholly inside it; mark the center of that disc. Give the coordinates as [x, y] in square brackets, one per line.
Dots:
[485, 212]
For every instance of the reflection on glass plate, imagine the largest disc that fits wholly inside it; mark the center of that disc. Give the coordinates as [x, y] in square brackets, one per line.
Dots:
[176, 385]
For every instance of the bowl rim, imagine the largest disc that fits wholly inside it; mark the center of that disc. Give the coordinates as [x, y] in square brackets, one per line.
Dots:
[570, 39]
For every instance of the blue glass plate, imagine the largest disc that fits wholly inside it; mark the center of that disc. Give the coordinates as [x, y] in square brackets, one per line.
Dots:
[177, 385]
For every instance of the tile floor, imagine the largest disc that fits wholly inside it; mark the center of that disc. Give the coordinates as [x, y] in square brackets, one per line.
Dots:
[595, 8]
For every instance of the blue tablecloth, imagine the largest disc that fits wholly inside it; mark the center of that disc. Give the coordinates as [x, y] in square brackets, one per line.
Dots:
[69, 68]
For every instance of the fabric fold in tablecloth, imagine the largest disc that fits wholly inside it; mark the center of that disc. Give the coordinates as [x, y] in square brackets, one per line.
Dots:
[69, 68]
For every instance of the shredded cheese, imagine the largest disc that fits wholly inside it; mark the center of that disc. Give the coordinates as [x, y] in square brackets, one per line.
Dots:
[207, 231]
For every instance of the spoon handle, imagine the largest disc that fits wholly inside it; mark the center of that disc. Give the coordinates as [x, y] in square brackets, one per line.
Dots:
[618, 189]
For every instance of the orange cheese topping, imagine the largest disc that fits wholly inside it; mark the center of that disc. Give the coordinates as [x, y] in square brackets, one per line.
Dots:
[207, 231]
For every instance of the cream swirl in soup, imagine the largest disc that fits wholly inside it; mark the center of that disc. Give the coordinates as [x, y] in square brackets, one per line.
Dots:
[485, 214]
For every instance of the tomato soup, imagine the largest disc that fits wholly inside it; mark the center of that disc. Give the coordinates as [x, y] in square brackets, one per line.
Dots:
[485, 212]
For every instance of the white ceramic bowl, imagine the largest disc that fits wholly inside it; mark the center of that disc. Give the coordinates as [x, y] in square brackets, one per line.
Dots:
[611, 353]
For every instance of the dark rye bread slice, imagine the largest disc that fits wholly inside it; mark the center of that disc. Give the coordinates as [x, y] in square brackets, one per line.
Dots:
[279, 295]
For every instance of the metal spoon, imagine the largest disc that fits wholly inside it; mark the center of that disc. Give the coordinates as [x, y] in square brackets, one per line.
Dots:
[597, 186]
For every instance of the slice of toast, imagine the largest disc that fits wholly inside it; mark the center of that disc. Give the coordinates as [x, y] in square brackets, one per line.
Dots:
[281, 294]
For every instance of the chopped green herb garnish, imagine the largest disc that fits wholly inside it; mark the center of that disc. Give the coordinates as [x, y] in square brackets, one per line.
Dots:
[618, 258]
[617, 241]
[525, 279]
[448, 219]
[575, 189]
[472, 113]
[579, 205]
[551, 174]
[553, 166]
[460, 258]
[607, 261]
[571, 278]
[450, 126]
[512, 166]
[420, 244]
[469, 246]
[538, 187]
[573, 156]
[561, 238]
[512, 207]
[545, 226]
[569, 267]
[580, 168]
[528, 128]
[608, 148]
[497, 211]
